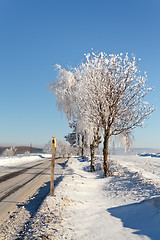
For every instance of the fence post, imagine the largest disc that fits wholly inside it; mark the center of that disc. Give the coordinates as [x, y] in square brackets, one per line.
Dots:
[53, 164]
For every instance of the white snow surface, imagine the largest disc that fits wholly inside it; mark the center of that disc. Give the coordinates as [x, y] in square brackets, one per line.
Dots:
[88, 206]
[7, 164]
[146, 165]
[21, 159]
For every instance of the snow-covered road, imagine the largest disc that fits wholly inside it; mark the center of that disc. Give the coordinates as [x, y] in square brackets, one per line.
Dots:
[20, 184]
[20, 178]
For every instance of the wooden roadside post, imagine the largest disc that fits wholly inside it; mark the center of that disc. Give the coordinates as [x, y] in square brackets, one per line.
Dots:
[53, 164]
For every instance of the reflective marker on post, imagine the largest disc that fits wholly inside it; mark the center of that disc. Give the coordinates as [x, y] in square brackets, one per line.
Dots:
[53, 141]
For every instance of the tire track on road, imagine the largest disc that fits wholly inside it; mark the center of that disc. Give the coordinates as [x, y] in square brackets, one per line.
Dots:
[16, 173]
[20, 186]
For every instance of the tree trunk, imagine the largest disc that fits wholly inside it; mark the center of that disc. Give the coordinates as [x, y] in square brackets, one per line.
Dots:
[92, 158]
[82, 153]
[82, 146]
[106, 154]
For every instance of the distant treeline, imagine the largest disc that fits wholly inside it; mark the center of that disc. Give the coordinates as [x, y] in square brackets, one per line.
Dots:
[23, 149]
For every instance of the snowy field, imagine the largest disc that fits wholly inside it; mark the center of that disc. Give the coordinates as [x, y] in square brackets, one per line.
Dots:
[147, 165]
[87, 206]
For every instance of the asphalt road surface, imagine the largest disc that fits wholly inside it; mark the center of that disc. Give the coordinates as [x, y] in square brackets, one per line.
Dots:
[21, 183]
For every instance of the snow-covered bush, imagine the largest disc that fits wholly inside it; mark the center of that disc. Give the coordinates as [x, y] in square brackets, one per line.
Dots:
[9, 152]
[62, 148]
[27, 153]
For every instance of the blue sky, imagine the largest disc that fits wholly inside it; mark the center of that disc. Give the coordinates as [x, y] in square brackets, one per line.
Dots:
[36, 34]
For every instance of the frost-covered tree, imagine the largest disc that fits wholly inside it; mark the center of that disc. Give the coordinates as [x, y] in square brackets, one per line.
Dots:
[62, 148]
[106, 94]
[76, 139]
[71, 137]
[48, 147]
[87, 124]
[67, 92]
[95, 144]
[64, 91]
[115, 95]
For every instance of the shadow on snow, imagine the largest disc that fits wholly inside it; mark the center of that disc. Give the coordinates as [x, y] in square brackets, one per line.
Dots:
[35, 202]
[143, 217]
[63, 165]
